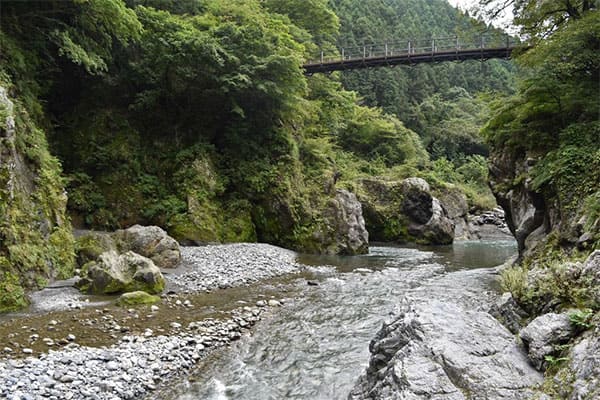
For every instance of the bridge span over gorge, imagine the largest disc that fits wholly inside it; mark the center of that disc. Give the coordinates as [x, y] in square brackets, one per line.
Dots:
[409, 52]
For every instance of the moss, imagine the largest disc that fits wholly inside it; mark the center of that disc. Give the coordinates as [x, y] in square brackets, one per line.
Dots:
[137, 298]
[89, 247]
[37, 244]
[12, 295]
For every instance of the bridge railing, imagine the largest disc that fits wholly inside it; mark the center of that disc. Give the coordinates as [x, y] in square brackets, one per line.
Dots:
[415, 46]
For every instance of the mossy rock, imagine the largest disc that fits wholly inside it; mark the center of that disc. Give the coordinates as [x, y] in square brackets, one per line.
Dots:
[90, 247]
[120, 273]
[136, 298]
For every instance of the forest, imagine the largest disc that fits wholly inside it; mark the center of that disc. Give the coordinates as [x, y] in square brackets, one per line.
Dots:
[195, 116]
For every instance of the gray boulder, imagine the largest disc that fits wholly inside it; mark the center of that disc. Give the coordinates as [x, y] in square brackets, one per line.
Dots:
[152, 242]
[428, 219]
[590, 275]
[344, 231]
[507, 311]
[542, 335]
[437, 350]
[118, 273]
[585, 366]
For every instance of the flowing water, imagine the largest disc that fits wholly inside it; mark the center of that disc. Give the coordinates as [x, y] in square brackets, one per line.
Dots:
[316, 346]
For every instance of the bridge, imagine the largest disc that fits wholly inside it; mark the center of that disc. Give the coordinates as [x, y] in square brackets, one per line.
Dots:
[409, 52]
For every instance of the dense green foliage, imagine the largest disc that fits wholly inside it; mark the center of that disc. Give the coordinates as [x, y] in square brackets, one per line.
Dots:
[196, 116]
[554, 118]
[431, 89]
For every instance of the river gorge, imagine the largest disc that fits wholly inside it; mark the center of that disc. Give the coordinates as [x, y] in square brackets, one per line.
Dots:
[312, 316]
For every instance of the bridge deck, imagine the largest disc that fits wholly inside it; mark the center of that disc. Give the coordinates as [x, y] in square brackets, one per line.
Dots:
[408, 59]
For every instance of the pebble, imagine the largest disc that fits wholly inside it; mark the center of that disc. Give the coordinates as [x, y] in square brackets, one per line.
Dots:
[137, 365]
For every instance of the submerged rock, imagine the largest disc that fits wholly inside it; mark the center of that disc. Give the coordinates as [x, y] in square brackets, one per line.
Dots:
[438, 350]
[117, 273]
[543, 334]
[152, 242]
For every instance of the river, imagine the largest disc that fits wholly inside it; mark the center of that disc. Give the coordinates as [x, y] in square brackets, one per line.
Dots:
[316, 346]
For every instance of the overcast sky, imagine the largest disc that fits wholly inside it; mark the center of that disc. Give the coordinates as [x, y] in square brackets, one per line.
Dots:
[501, 22]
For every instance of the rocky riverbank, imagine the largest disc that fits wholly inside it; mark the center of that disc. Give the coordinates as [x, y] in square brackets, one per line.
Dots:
[446, 347]
[116, 353]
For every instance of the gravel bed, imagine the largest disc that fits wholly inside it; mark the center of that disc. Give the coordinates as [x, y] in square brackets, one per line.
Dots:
[222, 266]
[131, 369]
[139, 365]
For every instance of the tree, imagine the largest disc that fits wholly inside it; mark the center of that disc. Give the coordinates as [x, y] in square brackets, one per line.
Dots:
[539, 18]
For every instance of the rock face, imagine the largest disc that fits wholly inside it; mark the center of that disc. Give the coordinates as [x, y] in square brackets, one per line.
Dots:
[543, 334]
[118, 273]
[527, 214]
[152, 242]
[532, 214]
[590, 273]
[507, 311]
[405, 211]
[437, 350]
[36, 244]
[585, 366]
[428, 220]
[345, 231]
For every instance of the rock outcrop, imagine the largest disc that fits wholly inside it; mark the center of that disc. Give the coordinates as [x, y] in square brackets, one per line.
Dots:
[590, 273]
[405, 211]
[437, 350]
[119, 273]
[584, 367]
[428, 219]
[149, 241]
[344, 229]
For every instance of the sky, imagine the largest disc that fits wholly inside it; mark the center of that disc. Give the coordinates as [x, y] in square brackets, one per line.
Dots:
[502, 22]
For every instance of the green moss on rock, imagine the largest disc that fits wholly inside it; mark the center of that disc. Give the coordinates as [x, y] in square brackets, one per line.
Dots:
[37, 244]
[137, 298]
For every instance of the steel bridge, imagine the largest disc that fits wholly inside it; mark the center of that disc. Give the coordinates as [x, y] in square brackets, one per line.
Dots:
[409, 52]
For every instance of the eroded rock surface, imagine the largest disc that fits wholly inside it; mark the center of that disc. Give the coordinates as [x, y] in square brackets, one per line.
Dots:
[585, 366]
[438, 350]
[344, 231]
[508, 312]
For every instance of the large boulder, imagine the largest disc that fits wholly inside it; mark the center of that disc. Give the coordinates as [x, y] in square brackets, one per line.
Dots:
[543, 334]
[428, 219]
[438, 350]
[405, 211]
[119, 273]
[152, 242]
[456, 205]
[344, 229]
